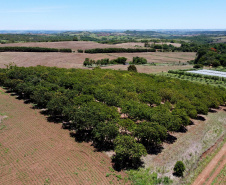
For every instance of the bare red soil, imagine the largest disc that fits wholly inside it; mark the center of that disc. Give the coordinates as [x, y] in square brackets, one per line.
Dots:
[206, 173]
[35, 151]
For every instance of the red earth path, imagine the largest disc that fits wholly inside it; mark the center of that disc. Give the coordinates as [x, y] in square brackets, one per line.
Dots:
[207, 175]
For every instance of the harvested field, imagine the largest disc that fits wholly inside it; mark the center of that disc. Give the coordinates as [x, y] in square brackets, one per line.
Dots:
[75, 60]
[158, 57]
[35, 151]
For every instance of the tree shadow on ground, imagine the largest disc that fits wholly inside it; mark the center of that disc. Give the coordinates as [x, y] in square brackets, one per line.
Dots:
[212, 110]
[201, 118]
[82, 135]
[176, 174]
[55, 119]
[182, 129]
[20, 97]
[191, 123]
[103, 146]
[50, 117]
[12, 93]
[170, 139]
[127, 164]
[67, 125]
[155, 150]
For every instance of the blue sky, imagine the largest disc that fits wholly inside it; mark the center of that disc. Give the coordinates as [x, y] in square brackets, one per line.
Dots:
[112, 14]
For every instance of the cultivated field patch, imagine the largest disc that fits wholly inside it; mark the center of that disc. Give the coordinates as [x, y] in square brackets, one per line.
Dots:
[35, 151]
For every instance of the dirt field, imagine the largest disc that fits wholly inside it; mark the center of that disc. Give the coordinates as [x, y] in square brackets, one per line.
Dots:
[35, 151]
[213, 168]
[75, 60]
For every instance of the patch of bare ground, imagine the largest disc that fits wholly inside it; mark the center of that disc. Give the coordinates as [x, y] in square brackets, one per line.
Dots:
[35, 151]
[2, 117]
[189, 145]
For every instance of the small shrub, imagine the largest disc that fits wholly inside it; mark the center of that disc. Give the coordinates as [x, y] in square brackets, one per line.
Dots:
[179, 168]
[108, 174]
[132, 68]
[80, 51]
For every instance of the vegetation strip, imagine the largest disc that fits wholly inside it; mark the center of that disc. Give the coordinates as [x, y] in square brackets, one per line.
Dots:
[32, 49]
[117, 50]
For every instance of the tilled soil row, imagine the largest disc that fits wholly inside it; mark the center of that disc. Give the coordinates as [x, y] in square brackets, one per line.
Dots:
[35, 151]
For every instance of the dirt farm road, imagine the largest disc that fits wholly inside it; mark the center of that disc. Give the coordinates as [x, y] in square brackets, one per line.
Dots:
[207, 177]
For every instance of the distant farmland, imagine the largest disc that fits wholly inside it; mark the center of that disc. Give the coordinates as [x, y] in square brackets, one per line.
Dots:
[75, 45]
[75, 60]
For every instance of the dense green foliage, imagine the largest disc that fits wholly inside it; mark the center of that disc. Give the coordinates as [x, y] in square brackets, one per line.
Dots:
[132, 68]
[139, 60]
[197, 66]
[11, 38]
[127, 110]
[106, 61]
[128, 152]
[179, 168]
[145, 177]
[33, 49]
[214, 55]
[118, 50]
